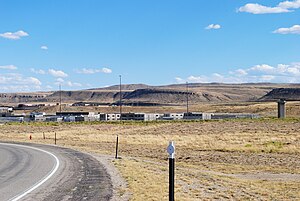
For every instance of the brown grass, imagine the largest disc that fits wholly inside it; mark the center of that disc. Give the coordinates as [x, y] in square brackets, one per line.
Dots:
[211, 156]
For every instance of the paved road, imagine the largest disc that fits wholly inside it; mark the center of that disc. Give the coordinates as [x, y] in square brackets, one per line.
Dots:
[39, 172]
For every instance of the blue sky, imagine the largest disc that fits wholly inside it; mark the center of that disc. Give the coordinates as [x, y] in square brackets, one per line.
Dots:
[88, 43]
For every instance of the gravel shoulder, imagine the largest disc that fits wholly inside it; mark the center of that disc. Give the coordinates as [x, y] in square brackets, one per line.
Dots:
[120, 192]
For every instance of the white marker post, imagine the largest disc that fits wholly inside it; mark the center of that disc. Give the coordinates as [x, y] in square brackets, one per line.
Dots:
[171, 151]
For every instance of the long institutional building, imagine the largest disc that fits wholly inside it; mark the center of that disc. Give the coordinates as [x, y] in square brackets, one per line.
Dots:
[6, 115]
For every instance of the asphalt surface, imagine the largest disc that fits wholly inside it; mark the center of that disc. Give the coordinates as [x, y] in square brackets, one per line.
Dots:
[41, 172]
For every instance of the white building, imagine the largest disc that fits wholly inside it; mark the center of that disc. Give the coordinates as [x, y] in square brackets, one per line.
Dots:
[140, 116]
[172, 116]
[113, 117]
[37, 116]
[196, 115]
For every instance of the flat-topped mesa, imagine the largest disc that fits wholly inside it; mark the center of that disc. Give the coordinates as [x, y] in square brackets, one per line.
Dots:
[288, 94]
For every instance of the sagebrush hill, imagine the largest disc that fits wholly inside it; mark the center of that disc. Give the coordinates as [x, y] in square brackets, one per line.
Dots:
[141, 94]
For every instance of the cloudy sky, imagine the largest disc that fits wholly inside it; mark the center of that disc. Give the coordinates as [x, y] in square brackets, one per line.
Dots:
[89, 43]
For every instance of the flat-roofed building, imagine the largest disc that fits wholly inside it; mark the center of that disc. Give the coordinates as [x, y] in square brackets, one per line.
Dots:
[62, 114]
[53, 119]
[196, 115]
[233, 116]
[133, 116]
[78, 116]
[37, 116]
[12, 119]
[102, 117]
[172, 116]
[113, 117]
[6, 111]
[152, 116]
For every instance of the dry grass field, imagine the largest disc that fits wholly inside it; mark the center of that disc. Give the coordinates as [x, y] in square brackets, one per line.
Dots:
[246, 159]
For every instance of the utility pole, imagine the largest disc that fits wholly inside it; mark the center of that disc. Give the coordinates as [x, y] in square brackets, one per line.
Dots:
[60, 98]
[120, 103]
[187, 97]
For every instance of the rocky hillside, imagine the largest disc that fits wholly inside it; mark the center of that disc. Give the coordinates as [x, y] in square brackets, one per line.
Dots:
[162, 95]
[291, 94]
[22, 97]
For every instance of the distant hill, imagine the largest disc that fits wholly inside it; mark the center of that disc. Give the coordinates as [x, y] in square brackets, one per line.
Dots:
[175, 94]
[291, 94]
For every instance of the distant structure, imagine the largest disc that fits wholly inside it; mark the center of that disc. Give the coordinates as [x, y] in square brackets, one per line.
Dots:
[196, 115]
[95, 116]
[6, 111]
[281, 108]
[120, 97]
[187, 97]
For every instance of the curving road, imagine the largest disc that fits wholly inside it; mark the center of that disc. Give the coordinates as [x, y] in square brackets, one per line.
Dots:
[40, 172]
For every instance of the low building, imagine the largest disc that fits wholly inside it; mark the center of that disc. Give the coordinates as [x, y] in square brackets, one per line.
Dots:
[6, 111]
[140, 116]
[92, 117]
[133, 116]
[152, 116]
[78, 116]
[102, 117]
[172, 116]
[73, 119]
[53, 119]
[113, 117]
[233, 116]
[64, 114]
[12, 119]
[196, 115]
[37, 116]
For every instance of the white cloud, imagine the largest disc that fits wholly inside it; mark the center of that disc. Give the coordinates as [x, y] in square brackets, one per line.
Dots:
[9, 67]
[49, 87]
[86, 71]
[213, 26]
[34, 81]
[285, 70]
[218, 76]
[106, 70]
[291, 30]
[44, 47]
[73, 84]
[14, 36]
[260, 9]
[197, 79]
[282, 7]
[60, 81]
[38, 71]
[179, 80]
[14, 82]
[267, 78]
[262, 67]
[281, 73]
[290, 4]
[57, 73]
[239, 72]
[93, 71]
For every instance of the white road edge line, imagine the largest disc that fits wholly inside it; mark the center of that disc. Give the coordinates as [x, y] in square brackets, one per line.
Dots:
[43, 180]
